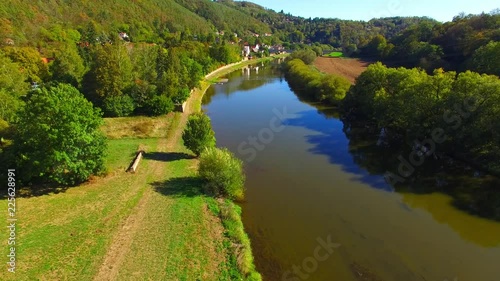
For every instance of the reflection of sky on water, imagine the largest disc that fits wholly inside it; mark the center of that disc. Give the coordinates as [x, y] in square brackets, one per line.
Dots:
[332, 142]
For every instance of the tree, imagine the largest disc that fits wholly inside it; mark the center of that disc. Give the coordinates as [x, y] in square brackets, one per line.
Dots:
[159, 105]
[58, 139]
[30, 61]
[68, 66]
[110, 74]
[198, 133]
[222, 173]
[307, 56]
[118, 106]
[12, 87]
[375, 48]
[486, 59]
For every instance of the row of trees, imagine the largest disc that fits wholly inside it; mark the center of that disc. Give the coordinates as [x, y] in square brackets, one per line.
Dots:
[219, 168]
[310, 82]
[412, 104]
[121, 79]
[461, 110]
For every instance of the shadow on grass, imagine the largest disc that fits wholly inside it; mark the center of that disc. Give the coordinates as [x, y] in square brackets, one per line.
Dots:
[180, 187]
[35, 191]
[167, 156]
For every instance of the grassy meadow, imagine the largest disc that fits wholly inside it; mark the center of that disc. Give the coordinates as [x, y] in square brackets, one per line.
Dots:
[154, 224]
[335, 55]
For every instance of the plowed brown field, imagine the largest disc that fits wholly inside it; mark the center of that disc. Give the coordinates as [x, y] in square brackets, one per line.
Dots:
[349, 68]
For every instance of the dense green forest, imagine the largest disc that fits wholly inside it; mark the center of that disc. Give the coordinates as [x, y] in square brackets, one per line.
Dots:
[468, 42]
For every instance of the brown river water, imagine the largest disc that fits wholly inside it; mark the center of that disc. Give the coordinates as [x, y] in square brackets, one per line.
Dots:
[318, 207]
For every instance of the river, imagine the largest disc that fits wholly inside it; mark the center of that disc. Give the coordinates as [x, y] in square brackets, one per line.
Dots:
[317, 204]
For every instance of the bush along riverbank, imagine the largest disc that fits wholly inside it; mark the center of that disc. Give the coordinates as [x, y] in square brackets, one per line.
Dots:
[410, 104]
[312, 84]
[456, 113]
[223, 179]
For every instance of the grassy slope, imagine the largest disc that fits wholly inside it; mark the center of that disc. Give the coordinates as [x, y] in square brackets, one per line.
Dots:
[69, 235]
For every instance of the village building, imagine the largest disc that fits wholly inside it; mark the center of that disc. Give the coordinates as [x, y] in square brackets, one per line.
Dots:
[124, 36]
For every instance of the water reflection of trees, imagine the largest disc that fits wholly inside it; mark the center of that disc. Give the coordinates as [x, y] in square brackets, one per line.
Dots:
[246, 79]
[471, 190]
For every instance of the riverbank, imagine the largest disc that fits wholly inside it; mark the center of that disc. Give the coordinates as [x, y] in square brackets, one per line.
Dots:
[154, 224]
[337, 193]
[240, 257]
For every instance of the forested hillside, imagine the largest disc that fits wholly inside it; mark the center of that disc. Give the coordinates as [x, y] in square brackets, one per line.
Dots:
[37, 24]
[468, 42]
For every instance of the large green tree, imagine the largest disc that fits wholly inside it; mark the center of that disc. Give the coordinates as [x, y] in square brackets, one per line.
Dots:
[30, 61]
[487, 59]
[12, 87]
[58, 139]
[68, 66]
[109, 77]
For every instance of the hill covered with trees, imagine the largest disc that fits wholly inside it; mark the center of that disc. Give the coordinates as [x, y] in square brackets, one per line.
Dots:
[469, 42]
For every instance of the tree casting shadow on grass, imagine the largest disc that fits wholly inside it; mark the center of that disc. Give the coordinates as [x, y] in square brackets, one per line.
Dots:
[35, 191]
[167, 156]
[180, 187]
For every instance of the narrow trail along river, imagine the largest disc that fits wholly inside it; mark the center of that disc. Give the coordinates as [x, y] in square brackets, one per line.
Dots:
[318, 207]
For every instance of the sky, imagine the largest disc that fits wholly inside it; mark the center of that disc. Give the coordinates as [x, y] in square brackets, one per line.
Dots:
[441, 10]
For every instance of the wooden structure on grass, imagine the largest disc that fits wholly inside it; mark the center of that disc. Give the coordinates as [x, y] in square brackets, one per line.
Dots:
[135, 163]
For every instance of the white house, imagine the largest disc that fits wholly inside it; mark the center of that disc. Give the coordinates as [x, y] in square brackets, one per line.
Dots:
[246, 51]
[123, 36]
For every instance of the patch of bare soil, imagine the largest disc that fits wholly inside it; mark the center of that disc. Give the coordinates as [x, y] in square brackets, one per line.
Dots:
[348, 68]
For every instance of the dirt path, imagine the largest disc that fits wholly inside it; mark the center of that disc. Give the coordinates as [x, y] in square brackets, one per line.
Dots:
[349, 68]
[122, 241]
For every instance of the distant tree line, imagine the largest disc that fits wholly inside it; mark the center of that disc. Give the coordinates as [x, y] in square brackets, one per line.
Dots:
[468, 42]
[311, 83]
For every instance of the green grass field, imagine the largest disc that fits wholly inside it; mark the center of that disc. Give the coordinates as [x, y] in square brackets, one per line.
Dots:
[155, 224]
[335, 55]
[66, 236]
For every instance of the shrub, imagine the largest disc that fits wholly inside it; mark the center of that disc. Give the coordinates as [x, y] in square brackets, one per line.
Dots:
[309, 81]
[181, 96]
[198, 134]
[222, 172]
[159, 105]
[118, 106]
